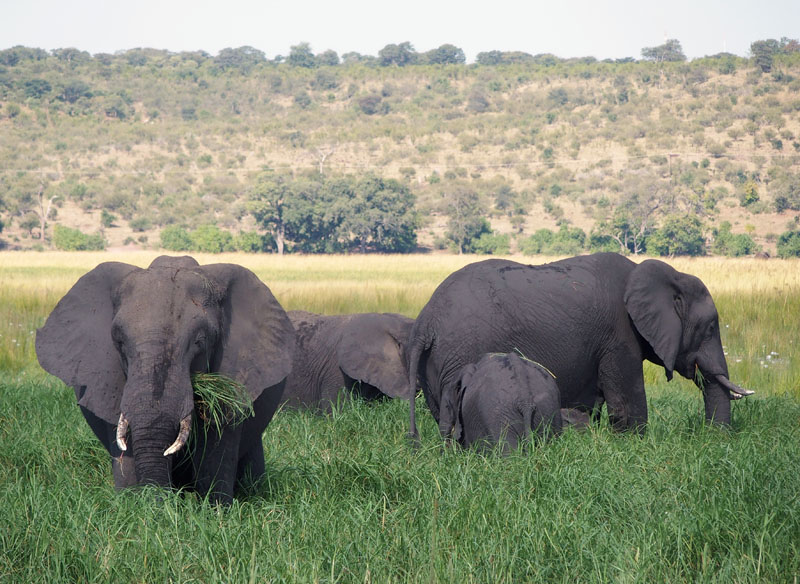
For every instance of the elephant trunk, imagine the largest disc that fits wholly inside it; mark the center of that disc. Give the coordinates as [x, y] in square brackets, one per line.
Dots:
[150, 439]
[717, 403]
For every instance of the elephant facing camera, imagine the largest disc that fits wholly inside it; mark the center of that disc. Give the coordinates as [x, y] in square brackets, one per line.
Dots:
[132, 341]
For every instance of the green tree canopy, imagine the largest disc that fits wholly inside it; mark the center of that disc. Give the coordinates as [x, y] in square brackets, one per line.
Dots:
[397, 55]
[670, 51]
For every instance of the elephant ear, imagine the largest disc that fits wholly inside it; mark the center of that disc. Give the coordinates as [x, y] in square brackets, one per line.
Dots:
[652, 299]
[75, 342]
[257, 338]
[371, 350]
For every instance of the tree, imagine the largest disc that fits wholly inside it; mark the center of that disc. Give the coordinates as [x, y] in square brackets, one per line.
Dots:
[329, 58]
[243, 58]
[670, 51]
[789, 244]
[301, 56]
[379, 215]
[763, 53]
[72, 91]
[37, 88]
[397, 55]
[466, 211]
[632, 219]
[267, 203]
[445, 55]
[679, 234]
[731, 244]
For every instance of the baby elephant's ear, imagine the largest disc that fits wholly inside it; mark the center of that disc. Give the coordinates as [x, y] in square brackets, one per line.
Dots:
[258, 341]
[75, 342]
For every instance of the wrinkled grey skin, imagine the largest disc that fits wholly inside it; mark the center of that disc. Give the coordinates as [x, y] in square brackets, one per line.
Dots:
[362, 353]
[128, 339]
[591, 320]
[504, 399]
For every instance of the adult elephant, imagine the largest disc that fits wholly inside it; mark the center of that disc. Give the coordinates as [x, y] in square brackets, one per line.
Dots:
[591, 320]
[128, 340]
[362, 353]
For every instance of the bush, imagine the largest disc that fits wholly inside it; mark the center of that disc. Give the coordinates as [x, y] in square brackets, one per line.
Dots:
[490, 243]
[174, 238]
[68, 239]
[732, 244]
[678, 235]
[252, 242]
[789, 244]
[211, 239]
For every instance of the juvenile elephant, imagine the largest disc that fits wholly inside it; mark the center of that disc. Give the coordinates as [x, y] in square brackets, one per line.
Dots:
[503, 399]
[128, 340]
[591, 320]
[363, 353]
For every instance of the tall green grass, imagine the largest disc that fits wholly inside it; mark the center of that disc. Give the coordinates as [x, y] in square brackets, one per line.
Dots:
[344, 498]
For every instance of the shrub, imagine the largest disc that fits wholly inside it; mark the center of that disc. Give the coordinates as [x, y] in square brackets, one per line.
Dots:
[789, 244]
[732, 244]
[211, 239]
[174, 238]
[491, 243]
[252, 242]
[68, 239]
[678, 235]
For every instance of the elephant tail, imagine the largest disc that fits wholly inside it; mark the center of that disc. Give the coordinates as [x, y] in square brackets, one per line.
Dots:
[418, 342]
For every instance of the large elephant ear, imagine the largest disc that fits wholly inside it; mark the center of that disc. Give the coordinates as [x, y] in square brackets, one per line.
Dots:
[371, 350]
[75, 342]
[257, 341]
[652, 296]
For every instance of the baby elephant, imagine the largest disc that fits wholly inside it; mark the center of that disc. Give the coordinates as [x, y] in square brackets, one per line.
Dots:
[502, 399]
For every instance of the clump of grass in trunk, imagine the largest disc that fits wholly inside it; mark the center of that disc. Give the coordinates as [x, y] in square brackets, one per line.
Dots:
[220, 400]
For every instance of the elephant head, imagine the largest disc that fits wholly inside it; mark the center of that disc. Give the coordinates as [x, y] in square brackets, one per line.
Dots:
[675, 314]
[128, 339]
[363, 352]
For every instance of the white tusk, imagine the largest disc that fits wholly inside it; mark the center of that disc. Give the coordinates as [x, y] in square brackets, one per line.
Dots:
[122, 432]
[183, 434]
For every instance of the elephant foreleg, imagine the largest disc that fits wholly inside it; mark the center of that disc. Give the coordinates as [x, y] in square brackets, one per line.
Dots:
[621, 383]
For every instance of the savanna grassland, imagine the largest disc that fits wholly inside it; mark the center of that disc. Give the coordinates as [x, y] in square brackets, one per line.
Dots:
[346, 500]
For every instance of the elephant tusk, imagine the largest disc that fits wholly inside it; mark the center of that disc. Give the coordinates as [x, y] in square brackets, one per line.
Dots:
[122, 432]
[736, 391]
[183, 434]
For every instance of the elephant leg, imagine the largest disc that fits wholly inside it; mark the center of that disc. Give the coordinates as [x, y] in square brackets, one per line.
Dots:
[251, 465]
[124, 471]
[215, 463]
[621, 383]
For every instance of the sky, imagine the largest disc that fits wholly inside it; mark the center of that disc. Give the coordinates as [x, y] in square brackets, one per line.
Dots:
[567, 28]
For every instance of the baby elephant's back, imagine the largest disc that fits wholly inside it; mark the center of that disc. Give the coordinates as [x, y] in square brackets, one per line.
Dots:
[506, 397]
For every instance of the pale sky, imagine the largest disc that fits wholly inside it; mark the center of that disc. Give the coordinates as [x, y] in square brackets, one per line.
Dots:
[566, 28]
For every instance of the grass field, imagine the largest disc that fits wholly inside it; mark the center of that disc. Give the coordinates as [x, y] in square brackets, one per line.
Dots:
[346, 500]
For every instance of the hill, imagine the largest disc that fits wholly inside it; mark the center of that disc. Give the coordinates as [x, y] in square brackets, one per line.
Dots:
[128, 144]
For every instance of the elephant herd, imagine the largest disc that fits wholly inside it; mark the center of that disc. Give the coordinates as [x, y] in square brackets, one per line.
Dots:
[502, 350]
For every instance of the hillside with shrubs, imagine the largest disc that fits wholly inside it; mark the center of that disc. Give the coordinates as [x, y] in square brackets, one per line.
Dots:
[401, 152]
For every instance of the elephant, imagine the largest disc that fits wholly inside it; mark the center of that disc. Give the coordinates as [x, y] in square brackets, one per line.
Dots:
[360, 352]
[128, 340]
[591, 320]
[503, 399]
